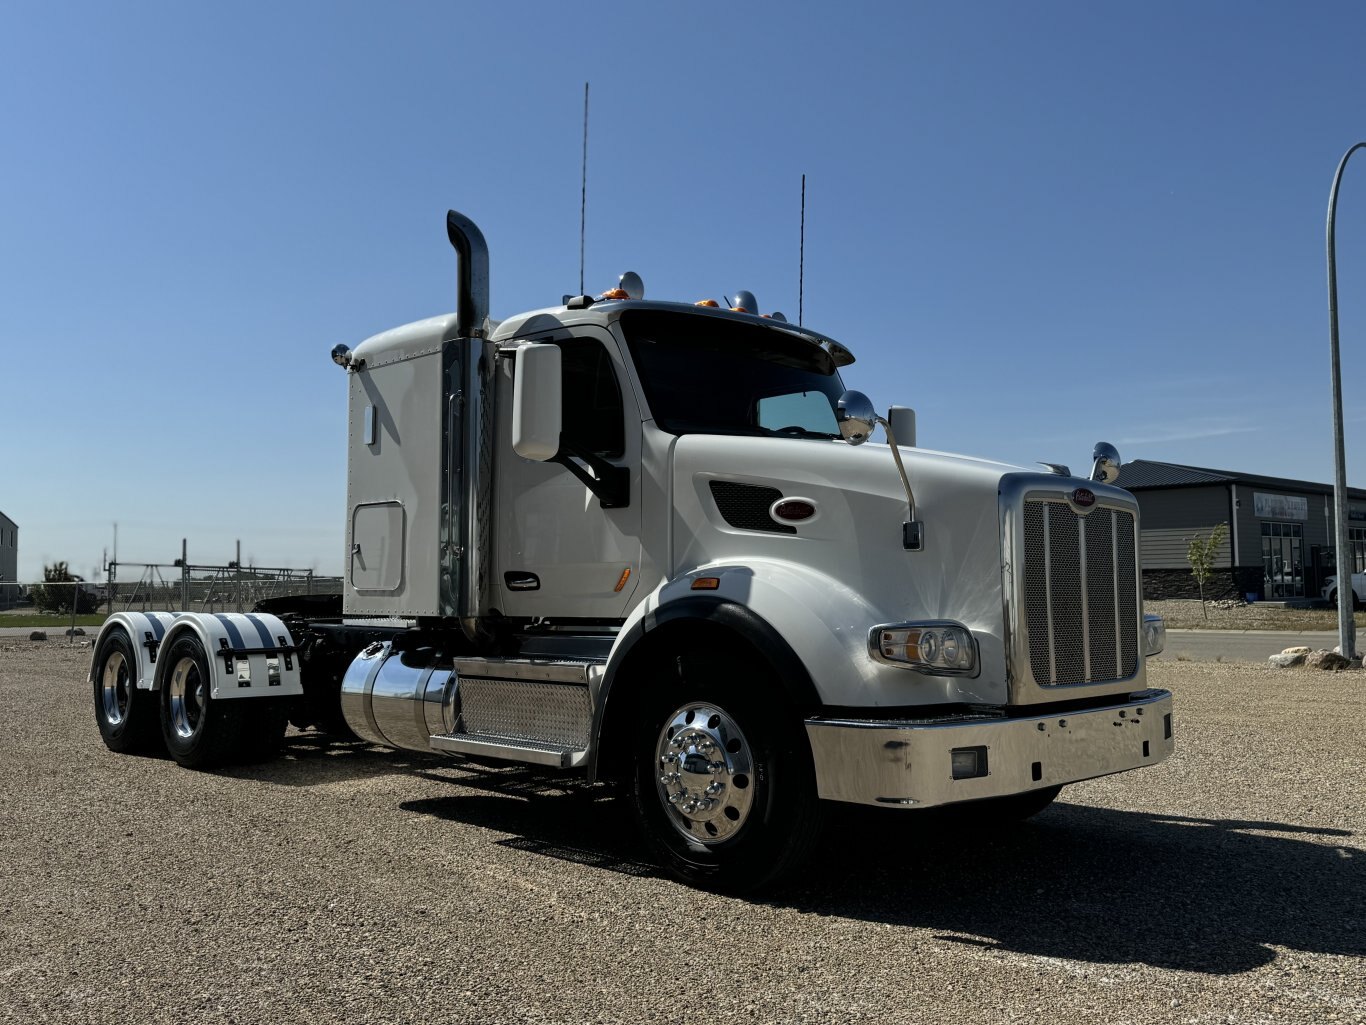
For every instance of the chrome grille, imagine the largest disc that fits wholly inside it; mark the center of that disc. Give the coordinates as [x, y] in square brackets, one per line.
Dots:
[1080, 593]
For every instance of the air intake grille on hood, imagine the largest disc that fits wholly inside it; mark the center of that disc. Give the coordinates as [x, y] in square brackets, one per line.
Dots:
[745, 506]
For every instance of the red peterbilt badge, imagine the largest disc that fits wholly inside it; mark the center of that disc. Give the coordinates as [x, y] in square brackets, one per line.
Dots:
[1084, 497]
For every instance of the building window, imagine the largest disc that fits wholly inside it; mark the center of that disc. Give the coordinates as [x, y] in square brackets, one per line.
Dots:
[1283, 559]
[1356, 539]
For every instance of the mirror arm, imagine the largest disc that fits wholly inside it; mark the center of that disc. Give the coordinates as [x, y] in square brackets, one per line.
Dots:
[612, 484]
[912, 533]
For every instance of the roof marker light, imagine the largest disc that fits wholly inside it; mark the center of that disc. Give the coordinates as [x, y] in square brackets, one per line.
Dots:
[709, 303]
[614, 293]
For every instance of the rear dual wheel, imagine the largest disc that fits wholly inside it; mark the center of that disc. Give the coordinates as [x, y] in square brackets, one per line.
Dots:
[201, 731]
[127, 716]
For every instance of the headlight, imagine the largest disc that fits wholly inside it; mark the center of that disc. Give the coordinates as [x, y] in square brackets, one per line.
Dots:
[940, 648]
[1154, 634]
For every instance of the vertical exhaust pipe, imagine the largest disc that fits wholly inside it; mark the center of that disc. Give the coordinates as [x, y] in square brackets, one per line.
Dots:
[472, 277]
[467, 457]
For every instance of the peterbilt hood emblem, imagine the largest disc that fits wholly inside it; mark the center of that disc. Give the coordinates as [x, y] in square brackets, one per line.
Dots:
[1084, 497]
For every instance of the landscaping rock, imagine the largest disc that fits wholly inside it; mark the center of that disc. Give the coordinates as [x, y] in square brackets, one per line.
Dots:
[1284, 661]
[1327, 660]
[1298, 650]
[77, 632]
[37, 635]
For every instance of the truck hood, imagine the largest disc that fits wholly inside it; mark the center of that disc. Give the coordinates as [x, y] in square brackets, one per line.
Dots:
[855, 538]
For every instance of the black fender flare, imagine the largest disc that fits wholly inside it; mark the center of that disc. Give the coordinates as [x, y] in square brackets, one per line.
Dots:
[731, 616]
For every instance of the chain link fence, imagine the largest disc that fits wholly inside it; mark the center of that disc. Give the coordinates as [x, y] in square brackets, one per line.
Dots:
[168, 588]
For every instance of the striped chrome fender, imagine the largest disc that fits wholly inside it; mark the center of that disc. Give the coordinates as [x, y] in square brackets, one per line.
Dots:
[251, 654]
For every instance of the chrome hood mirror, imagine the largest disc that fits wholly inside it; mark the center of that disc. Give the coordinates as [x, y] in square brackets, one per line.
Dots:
[1106, 463]
[856, 417]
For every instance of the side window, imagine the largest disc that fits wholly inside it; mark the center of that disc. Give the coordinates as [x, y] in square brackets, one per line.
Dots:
[593, 415]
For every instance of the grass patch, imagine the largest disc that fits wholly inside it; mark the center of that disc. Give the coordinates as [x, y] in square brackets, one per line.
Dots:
[46, 621]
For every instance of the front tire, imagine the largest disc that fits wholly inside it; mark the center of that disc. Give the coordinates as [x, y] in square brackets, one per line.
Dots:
[1333, 600]
[723, 786]
[127, 716]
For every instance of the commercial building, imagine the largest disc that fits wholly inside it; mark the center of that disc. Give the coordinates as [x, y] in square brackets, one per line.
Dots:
[9, 561]
[1280, 539]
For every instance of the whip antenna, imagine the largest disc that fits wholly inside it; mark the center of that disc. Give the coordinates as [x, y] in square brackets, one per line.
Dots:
[801, 260]
[583, 187]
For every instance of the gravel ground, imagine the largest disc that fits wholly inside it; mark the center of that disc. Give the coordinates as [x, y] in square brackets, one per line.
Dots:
[1186, 615]
[349, 884]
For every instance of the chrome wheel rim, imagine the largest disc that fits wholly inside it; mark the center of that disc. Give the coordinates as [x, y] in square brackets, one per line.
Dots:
[115, 685]
[705, 774]
[187, 696]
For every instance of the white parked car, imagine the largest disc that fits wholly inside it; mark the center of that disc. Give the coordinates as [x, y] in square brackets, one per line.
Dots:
[1330, 590]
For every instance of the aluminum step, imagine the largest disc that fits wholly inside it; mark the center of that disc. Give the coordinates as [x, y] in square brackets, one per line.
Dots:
[516, 749]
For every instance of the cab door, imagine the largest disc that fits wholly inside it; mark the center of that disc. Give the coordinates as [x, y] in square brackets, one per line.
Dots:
[560, 553]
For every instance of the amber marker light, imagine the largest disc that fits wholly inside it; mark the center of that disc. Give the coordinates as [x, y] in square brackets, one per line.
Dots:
[615, 293]
[621, 581]
[710, 304]
[706, 583]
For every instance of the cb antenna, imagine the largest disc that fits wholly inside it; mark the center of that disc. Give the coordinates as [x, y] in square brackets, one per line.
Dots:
[801, 260]
[583, 187]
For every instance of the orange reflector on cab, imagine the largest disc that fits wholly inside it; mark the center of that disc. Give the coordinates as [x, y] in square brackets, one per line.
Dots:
[710, 303]
[621, 581]
[706, 583]
[738, 309]
[615, 293]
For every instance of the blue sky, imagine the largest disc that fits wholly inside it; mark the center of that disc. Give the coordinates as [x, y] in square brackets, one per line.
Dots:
[1038, 224]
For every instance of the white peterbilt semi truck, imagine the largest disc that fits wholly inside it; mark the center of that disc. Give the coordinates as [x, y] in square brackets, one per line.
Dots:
[645, 541]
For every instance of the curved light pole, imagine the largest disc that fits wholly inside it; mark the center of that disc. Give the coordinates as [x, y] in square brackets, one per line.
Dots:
[1346, 626]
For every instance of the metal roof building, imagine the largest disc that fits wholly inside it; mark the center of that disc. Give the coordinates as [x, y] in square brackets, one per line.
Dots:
[1280, 531]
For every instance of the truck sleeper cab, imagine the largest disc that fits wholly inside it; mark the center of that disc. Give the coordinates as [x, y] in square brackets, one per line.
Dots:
[644, 540]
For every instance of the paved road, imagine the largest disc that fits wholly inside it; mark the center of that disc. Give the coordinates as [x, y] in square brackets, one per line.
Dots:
[1241, 645]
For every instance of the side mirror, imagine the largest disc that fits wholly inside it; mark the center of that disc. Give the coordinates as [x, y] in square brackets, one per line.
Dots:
[856, 417]
[536, 402]
[1105, 463]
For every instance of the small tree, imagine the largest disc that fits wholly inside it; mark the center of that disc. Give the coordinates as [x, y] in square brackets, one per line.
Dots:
[1200, 554]
[60, 598]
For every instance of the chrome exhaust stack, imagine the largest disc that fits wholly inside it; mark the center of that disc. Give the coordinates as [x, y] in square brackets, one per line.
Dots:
[467, 456]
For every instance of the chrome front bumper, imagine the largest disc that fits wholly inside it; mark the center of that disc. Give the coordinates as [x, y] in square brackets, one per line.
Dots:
[909, 763]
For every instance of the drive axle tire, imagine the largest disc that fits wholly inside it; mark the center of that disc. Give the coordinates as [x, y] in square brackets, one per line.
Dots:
[127, 717]
[723, 786]
[199, 731]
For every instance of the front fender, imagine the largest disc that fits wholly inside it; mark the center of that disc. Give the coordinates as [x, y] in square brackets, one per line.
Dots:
[825, 624]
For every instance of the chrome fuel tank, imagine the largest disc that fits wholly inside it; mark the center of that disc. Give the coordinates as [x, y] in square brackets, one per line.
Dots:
[398, 699]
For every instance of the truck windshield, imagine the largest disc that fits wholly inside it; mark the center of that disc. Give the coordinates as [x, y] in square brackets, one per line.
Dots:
[708, 375]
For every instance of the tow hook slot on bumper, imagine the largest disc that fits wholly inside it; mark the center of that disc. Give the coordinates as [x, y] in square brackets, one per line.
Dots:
[923, 764]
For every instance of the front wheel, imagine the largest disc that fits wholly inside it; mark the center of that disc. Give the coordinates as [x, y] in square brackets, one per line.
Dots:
[1333, 601]
[724, 789]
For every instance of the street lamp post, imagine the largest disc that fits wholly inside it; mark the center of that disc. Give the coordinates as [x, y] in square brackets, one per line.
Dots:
[1346, 564]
